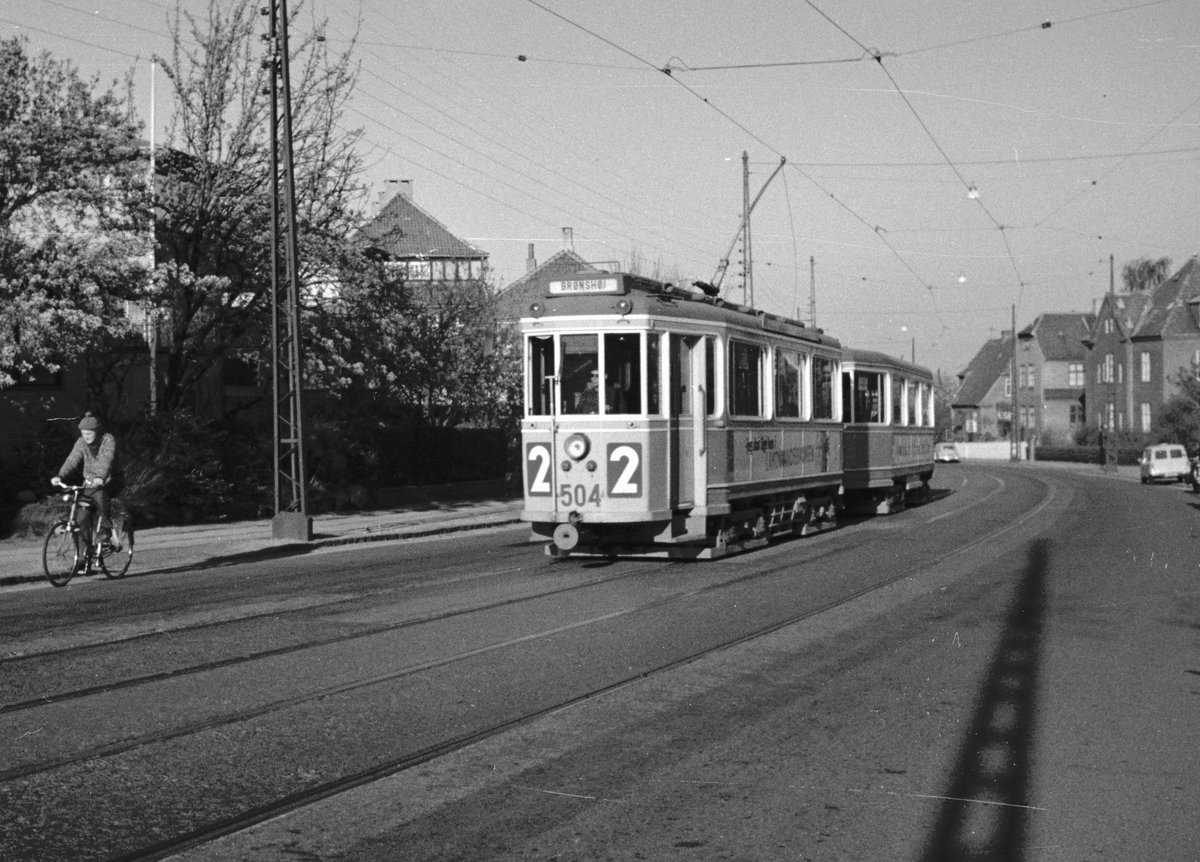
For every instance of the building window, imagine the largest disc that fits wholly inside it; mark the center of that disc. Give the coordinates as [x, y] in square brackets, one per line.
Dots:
[1108, 368]
[1145, 416]
[1076, 414]
[1145, 366]
[1075, 374]
[1008, 386]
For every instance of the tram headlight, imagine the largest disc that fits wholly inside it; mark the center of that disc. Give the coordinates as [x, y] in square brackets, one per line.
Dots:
[537, 309]
[577, 446]
[624, 306]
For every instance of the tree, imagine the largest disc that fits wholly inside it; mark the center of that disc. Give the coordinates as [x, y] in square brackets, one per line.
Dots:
[73, 235]
[1145, 274]
[431, 347]
[1179, 420]
[212, 199]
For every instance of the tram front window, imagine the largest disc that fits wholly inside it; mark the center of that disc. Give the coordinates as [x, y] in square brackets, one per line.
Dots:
[541, 375]
[580, 374]
[622, 373]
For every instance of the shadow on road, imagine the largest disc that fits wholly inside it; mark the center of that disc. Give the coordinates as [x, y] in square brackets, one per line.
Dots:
[986, 805]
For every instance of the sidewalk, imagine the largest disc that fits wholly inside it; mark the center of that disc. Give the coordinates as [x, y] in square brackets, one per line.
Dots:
[173, 549]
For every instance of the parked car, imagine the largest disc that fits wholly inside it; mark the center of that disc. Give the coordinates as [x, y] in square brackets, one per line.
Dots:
[945, 452]
[1164, 461]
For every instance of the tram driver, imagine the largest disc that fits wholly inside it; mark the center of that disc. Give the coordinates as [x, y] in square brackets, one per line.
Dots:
[588, 400]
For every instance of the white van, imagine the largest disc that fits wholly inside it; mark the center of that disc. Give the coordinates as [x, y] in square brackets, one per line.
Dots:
[1165, 461]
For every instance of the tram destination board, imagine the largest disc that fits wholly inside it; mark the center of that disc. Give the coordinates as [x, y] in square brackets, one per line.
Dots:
[609, 284]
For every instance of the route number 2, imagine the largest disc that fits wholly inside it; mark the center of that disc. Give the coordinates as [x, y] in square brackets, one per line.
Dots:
[624, 469]
[537, 470]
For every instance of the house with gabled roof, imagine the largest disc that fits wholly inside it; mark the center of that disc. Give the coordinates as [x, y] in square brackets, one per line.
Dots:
[420, 246]
[512, 302]
[1051, 376]
[1140, 344]
[982, 408]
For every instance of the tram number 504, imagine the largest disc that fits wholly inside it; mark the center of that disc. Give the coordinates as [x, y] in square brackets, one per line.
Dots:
[623, 470]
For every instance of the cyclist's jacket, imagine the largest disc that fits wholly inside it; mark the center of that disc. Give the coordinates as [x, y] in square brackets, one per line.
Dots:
[99, 461]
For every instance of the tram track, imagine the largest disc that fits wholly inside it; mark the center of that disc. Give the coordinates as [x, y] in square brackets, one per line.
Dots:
[15, 658]
[290, 801]
[233, 661]
[643, 569]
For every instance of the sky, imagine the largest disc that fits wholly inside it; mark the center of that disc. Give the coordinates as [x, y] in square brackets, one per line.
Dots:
[945, 164]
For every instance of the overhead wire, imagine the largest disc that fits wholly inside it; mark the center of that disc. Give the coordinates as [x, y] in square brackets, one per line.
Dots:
[749, 132]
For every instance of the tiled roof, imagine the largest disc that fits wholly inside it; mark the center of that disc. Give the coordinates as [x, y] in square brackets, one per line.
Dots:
[404, 231]
[981, 374]
[1129, 309]
[1060, 336]
[1167, 314]
[512, 300]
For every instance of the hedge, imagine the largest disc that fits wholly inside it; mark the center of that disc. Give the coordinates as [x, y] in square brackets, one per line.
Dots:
[1084, 454]
[434, 455]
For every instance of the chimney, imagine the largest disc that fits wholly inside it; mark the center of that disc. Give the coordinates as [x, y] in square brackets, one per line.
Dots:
[390, 189]
[530, 261]
[569, 238]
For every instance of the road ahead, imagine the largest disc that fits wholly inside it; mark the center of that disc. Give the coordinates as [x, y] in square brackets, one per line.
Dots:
[1010, 671]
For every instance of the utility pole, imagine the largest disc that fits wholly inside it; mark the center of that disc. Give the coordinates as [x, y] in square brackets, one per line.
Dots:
[747, 258]
[1015, 425]
[812, 291]
[291, 518]
[1110, 448]
[151, 323]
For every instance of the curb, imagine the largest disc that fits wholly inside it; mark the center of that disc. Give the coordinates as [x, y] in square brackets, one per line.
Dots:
[285, 549]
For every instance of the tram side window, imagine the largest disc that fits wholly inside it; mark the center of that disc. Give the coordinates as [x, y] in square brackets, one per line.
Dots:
[897, 401]
[927, 400]
[910, 399]
[580, 374]
[788, 366]
[868, 396]
[746, 382]
[824, 372]
[623, 373]
[653, 372]
[541, 375]
[710, 377]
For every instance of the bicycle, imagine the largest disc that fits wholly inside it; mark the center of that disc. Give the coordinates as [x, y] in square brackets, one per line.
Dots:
[71, 547]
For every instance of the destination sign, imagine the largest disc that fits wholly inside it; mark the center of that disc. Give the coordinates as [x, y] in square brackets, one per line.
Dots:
[586, 285]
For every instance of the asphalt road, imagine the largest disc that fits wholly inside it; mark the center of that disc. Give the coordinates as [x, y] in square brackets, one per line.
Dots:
[1010, 671]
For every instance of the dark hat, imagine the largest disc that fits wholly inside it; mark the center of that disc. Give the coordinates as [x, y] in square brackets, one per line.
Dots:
[89, 423]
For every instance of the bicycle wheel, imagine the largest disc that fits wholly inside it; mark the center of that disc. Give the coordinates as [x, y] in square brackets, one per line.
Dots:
[61, 553]
[115, 560]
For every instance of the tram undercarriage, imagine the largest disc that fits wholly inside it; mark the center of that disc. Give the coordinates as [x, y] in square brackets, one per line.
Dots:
[752, 523]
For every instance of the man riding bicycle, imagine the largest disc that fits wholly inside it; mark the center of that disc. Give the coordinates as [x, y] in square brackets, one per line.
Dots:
[95, 452]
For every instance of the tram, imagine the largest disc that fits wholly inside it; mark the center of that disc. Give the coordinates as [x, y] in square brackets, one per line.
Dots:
[666, 422]
[887, 405]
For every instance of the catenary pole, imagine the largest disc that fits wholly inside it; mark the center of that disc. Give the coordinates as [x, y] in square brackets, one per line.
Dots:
[291, 518]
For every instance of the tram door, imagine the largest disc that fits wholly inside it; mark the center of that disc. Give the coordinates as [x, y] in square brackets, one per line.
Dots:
[688, 450]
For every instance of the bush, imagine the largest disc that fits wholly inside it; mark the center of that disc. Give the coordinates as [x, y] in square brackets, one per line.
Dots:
[181, 469]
